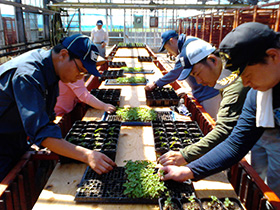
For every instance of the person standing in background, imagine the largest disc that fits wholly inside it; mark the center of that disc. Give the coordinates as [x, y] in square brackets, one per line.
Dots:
[100, 38]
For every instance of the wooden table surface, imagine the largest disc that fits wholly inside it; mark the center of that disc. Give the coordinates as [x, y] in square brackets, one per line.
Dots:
[135, 143]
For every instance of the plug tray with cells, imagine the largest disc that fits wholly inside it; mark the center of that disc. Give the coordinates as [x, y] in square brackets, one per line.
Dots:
[136, 182]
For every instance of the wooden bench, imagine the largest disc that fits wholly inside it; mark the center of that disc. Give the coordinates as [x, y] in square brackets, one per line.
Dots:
[20, 189]
[251, 189]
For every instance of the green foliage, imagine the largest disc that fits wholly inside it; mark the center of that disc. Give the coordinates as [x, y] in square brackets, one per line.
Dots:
[163, 144]
[136, 114]
[213, 201]
[172, 144]
[159, 132]
[122, 44]
[228, 203]
[130, 80]
[132, 69]
[142, 180]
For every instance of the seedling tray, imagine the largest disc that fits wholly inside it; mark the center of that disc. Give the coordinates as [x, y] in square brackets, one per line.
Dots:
[140, 72]
[97, 135]
[108, 188]
[175, 135]
[161, 115]
[130, 45]
[162, 97]
[111, 96]
[145, 59]
[116, 64]
[112, 74]
[114, 83]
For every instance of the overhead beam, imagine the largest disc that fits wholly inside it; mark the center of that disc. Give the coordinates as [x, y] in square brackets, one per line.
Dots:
[151, 6]
[28, 8]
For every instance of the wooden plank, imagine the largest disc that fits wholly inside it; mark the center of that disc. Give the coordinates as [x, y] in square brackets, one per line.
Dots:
[131, 52]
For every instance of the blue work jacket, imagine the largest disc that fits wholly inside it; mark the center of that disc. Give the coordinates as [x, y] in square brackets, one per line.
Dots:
[28, 91]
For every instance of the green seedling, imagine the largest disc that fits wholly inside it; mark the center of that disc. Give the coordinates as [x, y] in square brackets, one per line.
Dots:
[228, 203]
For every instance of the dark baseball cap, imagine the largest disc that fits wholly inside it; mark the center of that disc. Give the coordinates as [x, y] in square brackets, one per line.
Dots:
[99, 22]
[245, 45]
[165, 38]
[193, 51]
[81, 46]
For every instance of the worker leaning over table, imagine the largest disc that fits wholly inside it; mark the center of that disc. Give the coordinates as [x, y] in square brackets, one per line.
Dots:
[28, 91]
[251, 50]
[208, 97]
[206, 68]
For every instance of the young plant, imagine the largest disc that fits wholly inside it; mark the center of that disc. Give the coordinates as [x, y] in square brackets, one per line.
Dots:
[142, 181]
[228, 203]
[172, 144]
[136, 114]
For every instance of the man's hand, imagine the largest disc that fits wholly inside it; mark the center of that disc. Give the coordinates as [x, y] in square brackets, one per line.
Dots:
[109, 108]
[150, 86]
[172, 158]
[177, 173]
[99, 162]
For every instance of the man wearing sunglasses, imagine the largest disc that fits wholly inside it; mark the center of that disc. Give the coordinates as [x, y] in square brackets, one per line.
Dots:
[28, 91]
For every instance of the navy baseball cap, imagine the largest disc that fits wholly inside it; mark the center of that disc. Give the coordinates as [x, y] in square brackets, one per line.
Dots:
[99, 22]
[245, 44]
[165, 38]
[81, 46]
[193, 51]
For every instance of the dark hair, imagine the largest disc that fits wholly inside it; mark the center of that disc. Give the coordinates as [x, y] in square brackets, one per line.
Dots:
[57, 48]
[260, 56]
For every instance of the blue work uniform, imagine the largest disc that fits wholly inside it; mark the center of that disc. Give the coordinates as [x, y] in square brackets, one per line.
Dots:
[200, 92]
[28, 91]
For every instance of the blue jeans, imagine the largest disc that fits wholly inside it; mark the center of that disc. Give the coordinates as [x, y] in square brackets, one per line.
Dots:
[265, 158]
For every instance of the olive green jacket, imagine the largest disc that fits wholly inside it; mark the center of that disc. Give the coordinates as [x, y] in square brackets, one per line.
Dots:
[233, 97]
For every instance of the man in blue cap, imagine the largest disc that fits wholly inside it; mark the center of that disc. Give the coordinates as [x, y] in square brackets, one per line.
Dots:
[208, 97]
[200, 59]
[100, 38]
[28, 91]
[252, 50]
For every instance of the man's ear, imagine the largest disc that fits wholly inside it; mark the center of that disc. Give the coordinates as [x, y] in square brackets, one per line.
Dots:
[212, 58]
[63, 54]
[274, 54]
[173, 40]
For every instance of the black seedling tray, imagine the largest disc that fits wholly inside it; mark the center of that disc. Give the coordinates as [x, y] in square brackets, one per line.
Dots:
[112, 74]
[114, 83]
[174, 135]
[95, 135]
[111, 96]
[108, 188]
[140, 72]
[218, 205]
[161, 115]
[237, 203]
[175, 201]
[162, 97]
[145, 59]
[116, 64]
[131, 45]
